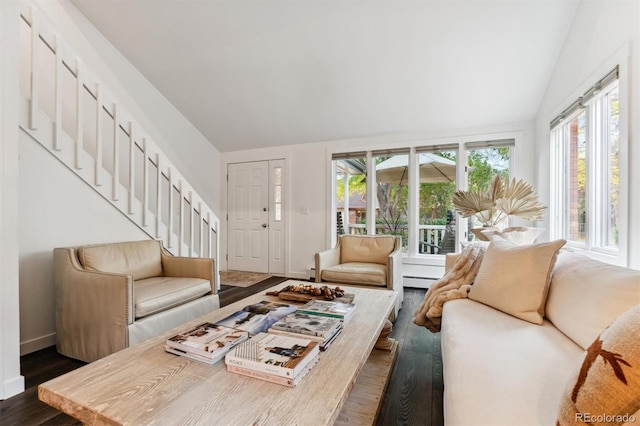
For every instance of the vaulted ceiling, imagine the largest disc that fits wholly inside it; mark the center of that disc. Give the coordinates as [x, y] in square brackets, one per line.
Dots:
[256, 73]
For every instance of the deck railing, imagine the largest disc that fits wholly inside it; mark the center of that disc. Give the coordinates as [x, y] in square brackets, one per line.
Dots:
[428, 235]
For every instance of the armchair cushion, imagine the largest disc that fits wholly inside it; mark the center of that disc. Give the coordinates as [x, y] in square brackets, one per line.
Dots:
[366, 249]
[138, 258]
[369, 260]
[157, 294]
[357, 273]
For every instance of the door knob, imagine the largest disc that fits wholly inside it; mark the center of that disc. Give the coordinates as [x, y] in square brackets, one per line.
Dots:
[264, 225]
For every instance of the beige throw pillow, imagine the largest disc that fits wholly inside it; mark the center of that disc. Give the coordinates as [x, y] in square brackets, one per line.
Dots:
[606, 387]
[515, 279]
[586, 295]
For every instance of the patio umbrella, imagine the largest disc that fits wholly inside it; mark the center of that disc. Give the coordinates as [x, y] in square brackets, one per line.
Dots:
[433, 169]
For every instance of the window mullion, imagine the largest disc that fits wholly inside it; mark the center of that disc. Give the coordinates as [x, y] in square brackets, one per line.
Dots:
[371, 195]
[414, 201]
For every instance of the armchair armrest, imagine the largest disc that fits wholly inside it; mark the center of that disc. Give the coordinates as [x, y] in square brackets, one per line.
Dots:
[394, 270]
[93, 309]
[192, 267]
[325, 259]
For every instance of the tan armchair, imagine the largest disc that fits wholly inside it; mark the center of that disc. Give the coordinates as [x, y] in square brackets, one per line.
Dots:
[111, 296]
[364, 260]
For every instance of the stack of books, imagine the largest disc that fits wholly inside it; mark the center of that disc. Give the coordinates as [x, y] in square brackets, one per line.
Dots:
[280, 359]
[342, 311]
[206, 342]
[319, 328]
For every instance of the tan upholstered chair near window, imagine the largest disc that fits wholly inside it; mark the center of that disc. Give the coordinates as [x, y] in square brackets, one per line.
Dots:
[111, 296]
[364, 260]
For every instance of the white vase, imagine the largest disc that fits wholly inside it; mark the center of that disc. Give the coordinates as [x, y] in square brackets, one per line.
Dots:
[480, 232]
[518, 235]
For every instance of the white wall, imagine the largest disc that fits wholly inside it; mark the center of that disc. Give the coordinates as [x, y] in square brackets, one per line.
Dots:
[306, 183]
[11, 382]
[57, 209]
[601, 28]
[308, 180]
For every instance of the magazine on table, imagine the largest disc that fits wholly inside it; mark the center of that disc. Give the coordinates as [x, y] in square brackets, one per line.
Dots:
[208, 340]
[325, 345]
[258, 317]
[284, 356]
[193, 356]
[332, 309]
[308, 324]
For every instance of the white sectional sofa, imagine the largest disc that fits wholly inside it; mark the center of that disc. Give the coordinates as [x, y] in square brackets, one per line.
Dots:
[503, 370]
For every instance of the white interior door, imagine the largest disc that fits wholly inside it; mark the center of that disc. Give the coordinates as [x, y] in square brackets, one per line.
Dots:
[248, 216]
[256, 217]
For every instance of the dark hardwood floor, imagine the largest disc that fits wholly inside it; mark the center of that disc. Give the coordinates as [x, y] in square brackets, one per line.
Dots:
[229, 294]
[413, 397]
[414, 393]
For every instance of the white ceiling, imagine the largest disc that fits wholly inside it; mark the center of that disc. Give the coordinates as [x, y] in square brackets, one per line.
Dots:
[256, 73]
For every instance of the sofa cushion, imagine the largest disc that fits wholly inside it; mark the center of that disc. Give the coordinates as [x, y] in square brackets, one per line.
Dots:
[362, 248]
[587, 295]
[153, 295]
[515, 279]
[500, 370]
[357, 273]
[607, 381]
[138, 258]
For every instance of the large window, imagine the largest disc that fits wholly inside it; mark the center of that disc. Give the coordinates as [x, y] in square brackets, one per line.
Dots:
[392, 193]
[436, 186]
[351, 192]
[485, 161]
[586, 184]
[409, 191]
[576, 177]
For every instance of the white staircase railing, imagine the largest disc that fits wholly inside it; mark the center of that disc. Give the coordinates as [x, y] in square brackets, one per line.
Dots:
[78, 120]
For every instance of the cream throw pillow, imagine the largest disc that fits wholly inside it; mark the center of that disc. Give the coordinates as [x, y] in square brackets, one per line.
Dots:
[606, 387]
[515, 279]
[586, 295]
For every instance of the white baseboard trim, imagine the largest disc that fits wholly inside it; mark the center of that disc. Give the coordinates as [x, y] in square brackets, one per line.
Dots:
[417, 282]
[38, 343]
[299, 275]
[12, 387]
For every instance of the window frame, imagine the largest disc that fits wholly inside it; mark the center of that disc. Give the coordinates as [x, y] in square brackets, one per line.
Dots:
[597, 166]
[458, 143]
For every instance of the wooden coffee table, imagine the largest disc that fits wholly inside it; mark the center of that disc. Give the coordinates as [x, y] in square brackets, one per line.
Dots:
[145, 385]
